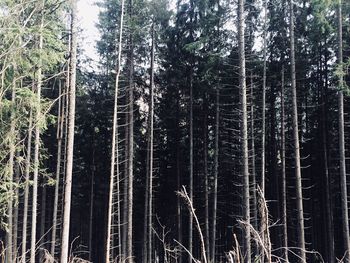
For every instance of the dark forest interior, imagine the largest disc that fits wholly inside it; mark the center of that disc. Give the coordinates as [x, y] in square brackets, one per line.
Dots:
[207, 131]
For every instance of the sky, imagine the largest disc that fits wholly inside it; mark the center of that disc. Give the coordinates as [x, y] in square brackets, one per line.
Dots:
[88, 17]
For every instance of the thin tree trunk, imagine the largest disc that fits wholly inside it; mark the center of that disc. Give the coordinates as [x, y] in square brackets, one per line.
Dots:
[70, 136]
[15, 214]
[92, 196]
[59, 136]
[36, 148]
[190, 220]
[206, 180]
[284, 180]
[343, 183]
[263, 121]
[253, 175]
[145, 218]
[216, 172]
[11, 163]
[26, 188]
[178, 174]
[299, 194]
[42, 220]
[263, 118]
[244, 130]
[150, 191]
[329, 216]
[130, 145]
[115, 152]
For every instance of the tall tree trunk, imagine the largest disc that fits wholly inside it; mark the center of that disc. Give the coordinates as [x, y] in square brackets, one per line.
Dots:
[61, 113]
[92, 196]
[15, 214]
[11, 164]
[206, 179]
[190, 219]
[216, 172]
[178, 173]
[284, 180]
[42, 243]
[253, 175]
[328, 203]
[26, 188]
[115, 152]
[130, 143]
[145, 218]
[299, 193]
[343, 183]
[263, 118]
[263, 123]
[36, 147]
[70, 136]
[150, 190]
[244, 129]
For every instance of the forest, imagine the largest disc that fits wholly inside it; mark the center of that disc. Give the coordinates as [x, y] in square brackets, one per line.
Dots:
[208, 131]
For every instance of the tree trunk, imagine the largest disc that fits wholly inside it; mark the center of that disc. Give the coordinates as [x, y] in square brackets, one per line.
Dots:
[11, 164]
[343, 183]
[70, 136]
[178, 174]
[15, 214]
[42, 243]
[115, 152]
[253, 175]
[150, 190]
[284, 180]
[244, 130]
[26, 188]
[206, 180]
[36, 149]
[92, 196]
[299, 193]
[130, 144]
[216, 172]
[190, 219]
[328, 203]
[61, 113]
[263, 118]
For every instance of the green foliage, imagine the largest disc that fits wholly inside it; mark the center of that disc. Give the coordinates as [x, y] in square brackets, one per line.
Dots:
[20, 57]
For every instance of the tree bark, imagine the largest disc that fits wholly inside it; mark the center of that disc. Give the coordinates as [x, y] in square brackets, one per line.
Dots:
[206, 180]
[343, 183]
[253, 175]
[11, 164]
[190, 219]
[216, 172]
[36, 148]
[284, 180]
[299, 193]
[70, 136]
[244, 130]
[328, 203]
[150, 170]
[26, 188]
[130, 144]
[115, 152]
[92, 196]
[61, 113]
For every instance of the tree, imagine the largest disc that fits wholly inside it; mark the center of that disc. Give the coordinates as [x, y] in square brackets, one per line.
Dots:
[38, 117]
[244, 129]
[296, 146]
[70, 135]
[343, 185]
[114, 197]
